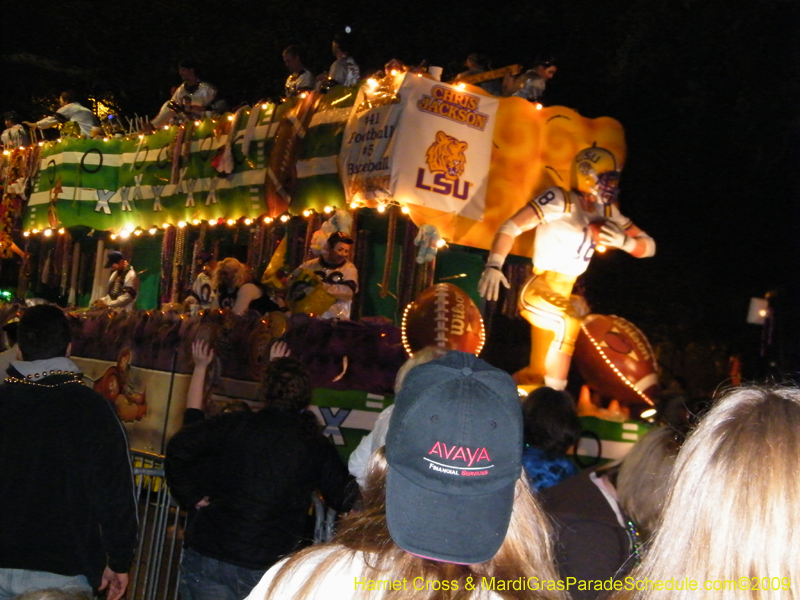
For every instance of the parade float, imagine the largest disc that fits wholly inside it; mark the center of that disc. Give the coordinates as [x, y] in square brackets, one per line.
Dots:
[428, 172]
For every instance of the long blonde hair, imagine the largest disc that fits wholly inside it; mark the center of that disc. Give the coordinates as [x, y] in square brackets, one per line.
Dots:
[730, 518]
[526, 551]
[643, 479]
[237, 271]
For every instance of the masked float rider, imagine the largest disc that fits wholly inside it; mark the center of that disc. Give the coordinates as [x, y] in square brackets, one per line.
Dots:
[569, 224]
[338, 274]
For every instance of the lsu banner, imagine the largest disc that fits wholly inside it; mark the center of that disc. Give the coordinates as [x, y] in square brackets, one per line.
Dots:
[443, 148]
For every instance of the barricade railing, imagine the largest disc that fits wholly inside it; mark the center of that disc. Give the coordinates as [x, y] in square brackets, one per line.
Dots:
[155, 570]
[156, 566]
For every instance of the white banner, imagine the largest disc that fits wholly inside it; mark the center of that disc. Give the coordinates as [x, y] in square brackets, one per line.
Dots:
[365, 161]
[443, 147]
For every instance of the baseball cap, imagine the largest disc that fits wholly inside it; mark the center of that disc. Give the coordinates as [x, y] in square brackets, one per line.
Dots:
[113, 258]
[454, 448]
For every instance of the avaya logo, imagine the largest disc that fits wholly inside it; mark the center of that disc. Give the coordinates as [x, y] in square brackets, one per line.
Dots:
[462, 452]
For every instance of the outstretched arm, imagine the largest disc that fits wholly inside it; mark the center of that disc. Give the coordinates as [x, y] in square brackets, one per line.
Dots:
[525, 219]
[203, 355]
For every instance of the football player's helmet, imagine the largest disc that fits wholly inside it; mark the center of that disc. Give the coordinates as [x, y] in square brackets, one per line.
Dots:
[595, 171]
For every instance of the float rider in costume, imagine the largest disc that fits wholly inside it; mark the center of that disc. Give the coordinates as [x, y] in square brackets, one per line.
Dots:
[338, 274]
[74, 118]
[190, 101]
[14, 135]
[300, 79]
[123, 285]
[570, 226]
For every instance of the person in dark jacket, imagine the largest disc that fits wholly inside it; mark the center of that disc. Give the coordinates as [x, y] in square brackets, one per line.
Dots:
[250, 476]
[551, 428]
[604, 518]
[68, 517]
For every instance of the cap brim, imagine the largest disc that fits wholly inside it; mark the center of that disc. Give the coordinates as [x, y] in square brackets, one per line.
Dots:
[458, 529]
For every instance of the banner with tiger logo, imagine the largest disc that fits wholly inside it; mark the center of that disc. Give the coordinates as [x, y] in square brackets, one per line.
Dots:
[443, 147]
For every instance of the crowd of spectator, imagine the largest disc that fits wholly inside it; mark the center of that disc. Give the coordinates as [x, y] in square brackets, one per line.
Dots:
[445, 498]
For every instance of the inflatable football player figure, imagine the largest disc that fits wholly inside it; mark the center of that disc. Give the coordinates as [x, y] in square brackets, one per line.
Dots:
[570, 226]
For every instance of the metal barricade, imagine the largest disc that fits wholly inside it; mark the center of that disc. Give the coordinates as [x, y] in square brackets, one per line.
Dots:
[156, 565]
[154, 574]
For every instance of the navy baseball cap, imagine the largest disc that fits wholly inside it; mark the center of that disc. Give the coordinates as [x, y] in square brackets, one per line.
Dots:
[113, 258]
[454, 448]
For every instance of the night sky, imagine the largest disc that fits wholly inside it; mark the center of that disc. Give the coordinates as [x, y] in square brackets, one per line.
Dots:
[708, 92]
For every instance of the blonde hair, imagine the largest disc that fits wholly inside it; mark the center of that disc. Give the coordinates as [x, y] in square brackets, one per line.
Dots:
[420, 357]
[731, 513]
[239, 272]
[526, 551]
[643, 478]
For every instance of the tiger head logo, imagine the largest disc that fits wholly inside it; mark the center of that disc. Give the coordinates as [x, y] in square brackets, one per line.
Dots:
[446, 155]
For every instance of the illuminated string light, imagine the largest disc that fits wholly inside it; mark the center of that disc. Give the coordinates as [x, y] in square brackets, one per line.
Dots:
[404, 331]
